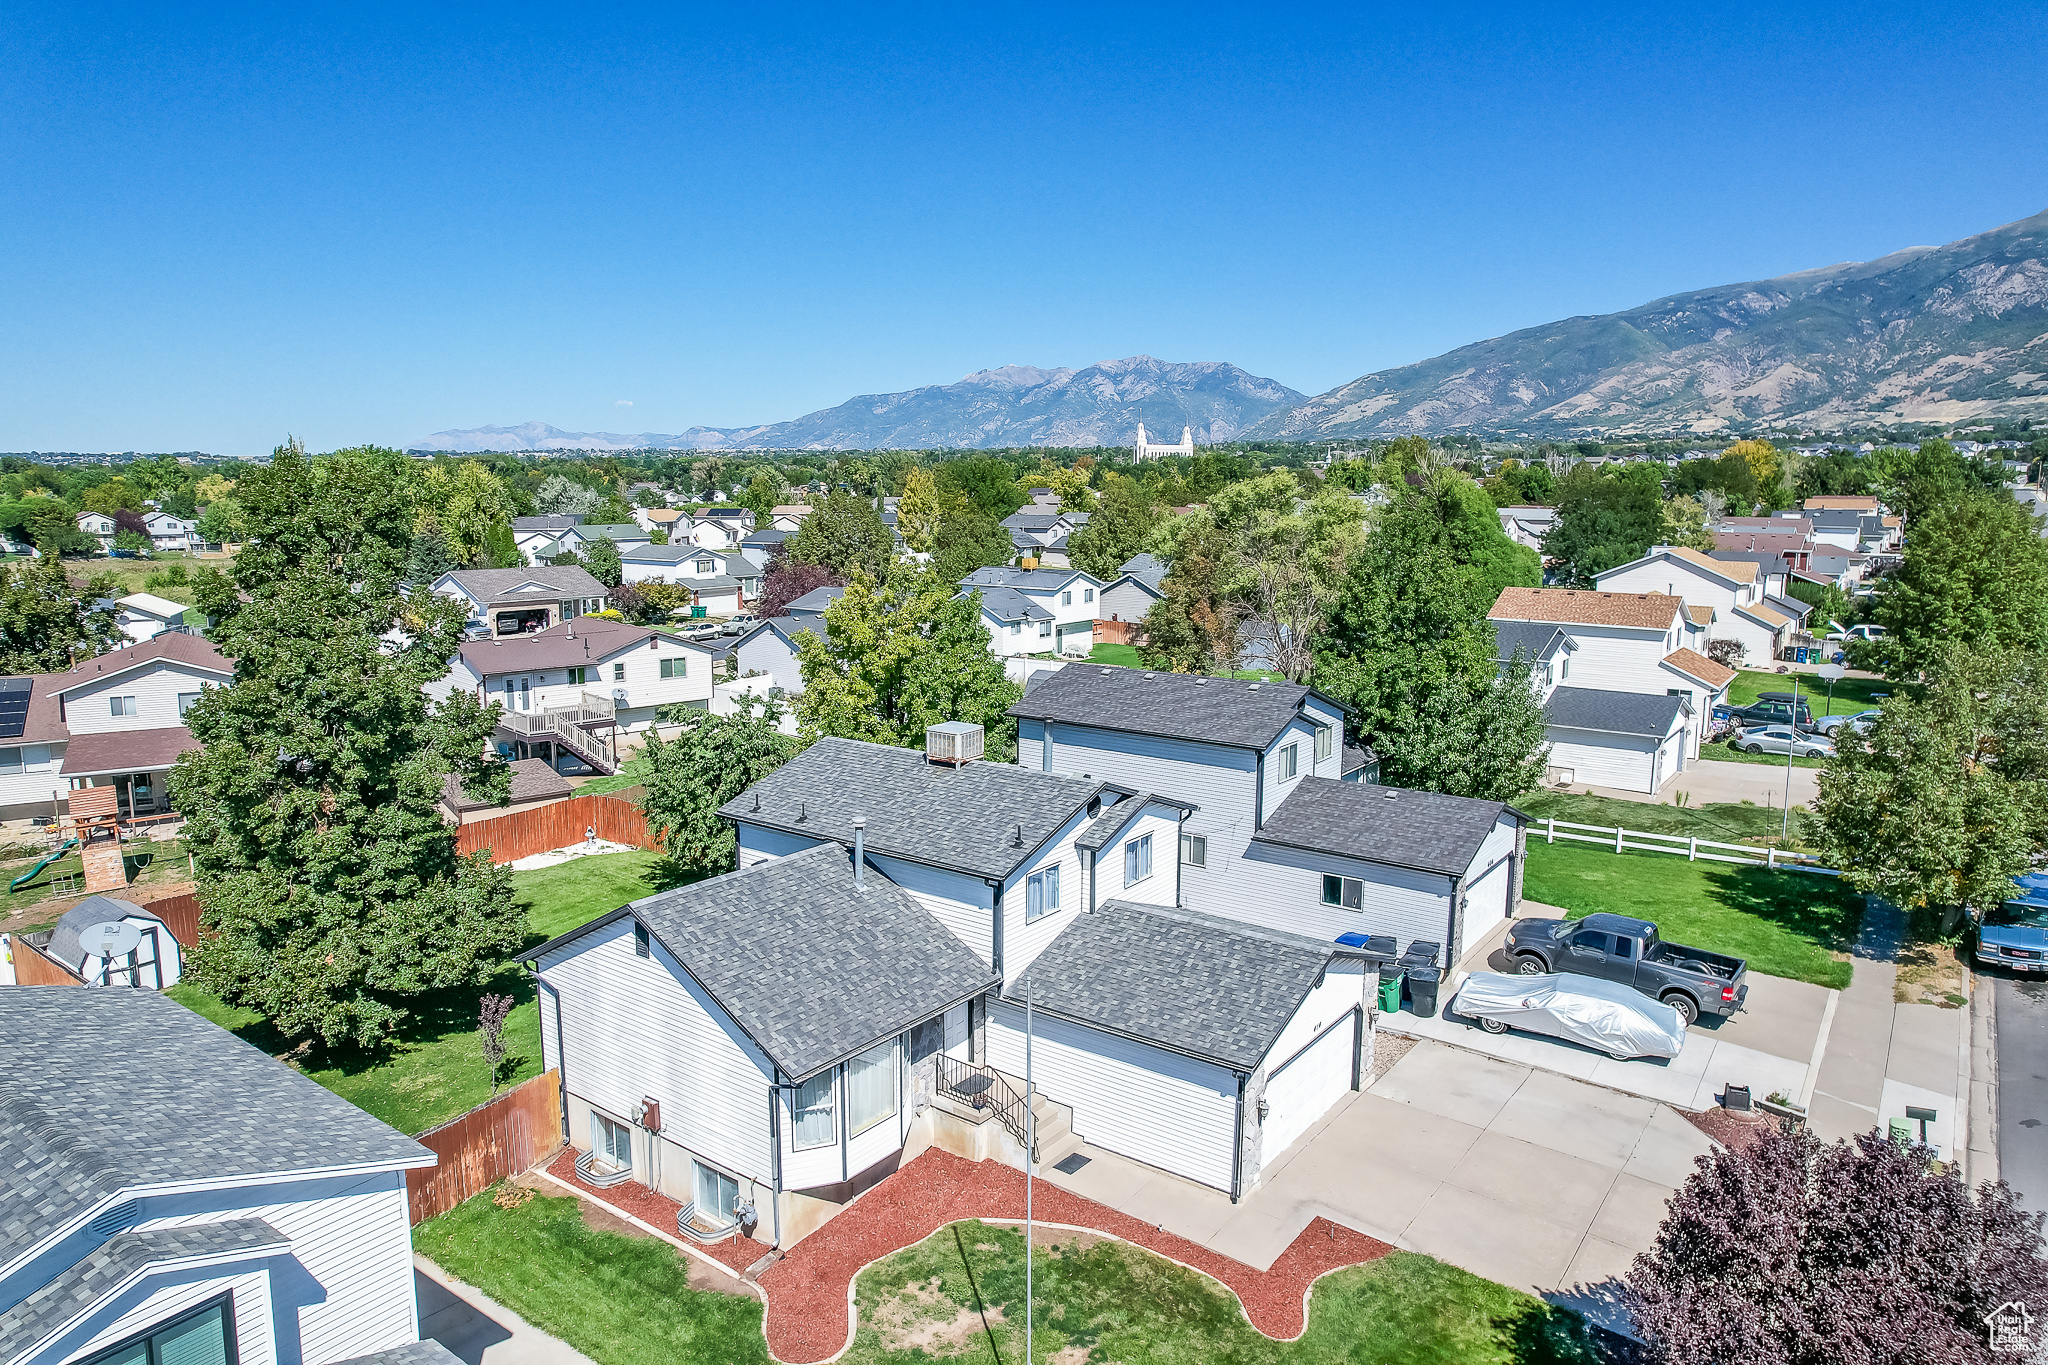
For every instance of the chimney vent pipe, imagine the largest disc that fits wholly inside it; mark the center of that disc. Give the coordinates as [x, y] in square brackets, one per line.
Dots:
[860, 850]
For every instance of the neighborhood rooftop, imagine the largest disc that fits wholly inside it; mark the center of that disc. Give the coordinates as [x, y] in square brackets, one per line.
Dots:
[999, 576]
[1651, 610]
[983, 818]
[1427, 831]
[548, 580]
[1212, 988]
[1233, 711]
[813, 968]
[119, 1090]
[582, 640]
[1643, 714]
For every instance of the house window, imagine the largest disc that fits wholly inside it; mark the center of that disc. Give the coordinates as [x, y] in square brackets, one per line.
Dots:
[186, 701]
[611, 1141]
[1137, 860]
[707, 566]
[675, 668]
[1290, 761]
[618, 672]
[871, 1088]
[1087, 594]
[580, 676]
[640, 944]
[200, 1337]
[813, 1105]
[1016, 627]
[1564, 668]
[1323, 741]
[716, 1193]
[1044, 629]
[121, 706]
[1194, 850]
[1042, 893]
[1348, 892]
[1067, 598]
[10, 760]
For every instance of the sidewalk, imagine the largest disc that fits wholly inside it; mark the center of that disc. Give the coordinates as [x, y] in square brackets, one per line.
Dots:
[1885, 1058]
[477, 1329]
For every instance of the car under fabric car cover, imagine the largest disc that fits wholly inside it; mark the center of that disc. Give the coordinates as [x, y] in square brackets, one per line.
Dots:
[1604, 1015]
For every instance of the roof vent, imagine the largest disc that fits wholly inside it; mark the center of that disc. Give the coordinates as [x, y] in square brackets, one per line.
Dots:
[1253, 688]
[955, 743]
[1200, 681]
[1388, 796]
[119, 1218]
[1148, 677]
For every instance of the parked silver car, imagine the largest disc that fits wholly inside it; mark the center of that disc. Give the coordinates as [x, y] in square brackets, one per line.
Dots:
[1859, 721]
[1603, 1015]
[1776, 739]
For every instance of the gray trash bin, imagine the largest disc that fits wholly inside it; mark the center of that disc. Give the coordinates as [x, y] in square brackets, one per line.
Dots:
[1422, 985]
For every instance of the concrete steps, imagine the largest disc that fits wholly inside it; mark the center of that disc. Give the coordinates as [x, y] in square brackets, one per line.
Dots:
[1054, 1129]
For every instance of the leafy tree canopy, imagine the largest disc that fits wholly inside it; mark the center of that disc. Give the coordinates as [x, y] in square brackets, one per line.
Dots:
[467, 502]
[711, 760]
[925, 504]
[1124, 518]
[787, 580]
[601, 559]
[47, 623]
[1913, 483]
[985, 481]
[1975, 571]
[846, 535]
[968, 539]
[1603, 520]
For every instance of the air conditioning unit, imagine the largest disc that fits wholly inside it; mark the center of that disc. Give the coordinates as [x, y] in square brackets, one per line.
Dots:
[954, 743]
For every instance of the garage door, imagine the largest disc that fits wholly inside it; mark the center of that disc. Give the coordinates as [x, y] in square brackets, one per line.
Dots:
[1486, 904]
[1300, 1092]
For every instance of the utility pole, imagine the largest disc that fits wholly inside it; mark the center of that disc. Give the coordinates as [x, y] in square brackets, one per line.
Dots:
[1030, 1163]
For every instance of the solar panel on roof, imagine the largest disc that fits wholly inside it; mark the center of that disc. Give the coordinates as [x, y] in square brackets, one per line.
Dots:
[14, 694]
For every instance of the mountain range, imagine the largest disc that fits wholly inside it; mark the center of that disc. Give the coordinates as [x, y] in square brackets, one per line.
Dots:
[1927, 334]
[1016, 405]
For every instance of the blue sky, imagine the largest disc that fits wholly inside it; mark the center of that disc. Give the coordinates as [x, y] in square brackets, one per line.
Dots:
[365, 225]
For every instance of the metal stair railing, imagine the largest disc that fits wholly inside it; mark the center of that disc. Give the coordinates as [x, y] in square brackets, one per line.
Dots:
[982, 1087]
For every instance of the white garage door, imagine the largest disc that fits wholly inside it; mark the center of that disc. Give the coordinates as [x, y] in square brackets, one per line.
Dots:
[1486, 904]
[1300, 1092]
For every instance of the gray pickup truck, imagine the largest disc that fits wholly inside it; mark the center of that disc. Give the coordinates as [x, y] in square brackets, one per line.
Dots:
[1616, 948]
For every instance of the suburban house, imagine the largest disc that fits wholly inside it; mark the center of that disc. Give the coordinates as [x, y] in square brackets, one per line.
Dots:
[719, 528]
[1527, 525]
[624, 534]
[788, 516]
[760, 546]
[1734, 588]
[813, 604]
[520, 601]
[667, 520]
[1856, 523]
[540, 538]
[174, 1195]
[534, 784]
[1625, 685]
[570, 691]
[1041, 532]
[115, 720]
[144, 616]
[719, 582]
[769, 649]
[98, 524]
[1036, 611]
[156, 960]
[170, 534]
[1139, 584]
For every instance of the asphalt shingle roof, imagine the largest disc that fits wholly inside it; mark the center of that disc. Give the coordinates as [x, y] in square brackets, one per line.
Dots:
[1534, 638]
[573, 643]
[1007, 604]
[1569, 606]
[191, 1102]
[1213, 988]
[1694, 664]
[491, 585]
[1038, 580]
[817, 599]
[1615, 713]
[1245, 715]
[813, 969]
[412, 1353]
[983, 819]
[1427, 831]
[1142, 563]
[64, 939]
[116, 1261]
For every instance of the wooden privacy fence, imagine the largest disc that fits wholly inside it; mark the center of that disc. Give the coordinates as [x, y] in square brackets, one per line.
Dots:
[510, 1134]
[536, 831]
[180, 915]
[33, 968]
[1119, 632]
[1693, 849]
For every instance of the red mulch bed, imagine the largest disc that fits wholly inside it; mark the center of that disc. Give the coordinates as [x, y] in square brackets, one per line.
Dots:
[807, 1318]
[737, 1253]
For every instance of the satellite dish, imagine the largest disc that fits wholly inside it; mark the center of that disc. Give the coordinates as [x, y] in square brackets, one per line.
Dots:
[1832, 672]
[114, 938]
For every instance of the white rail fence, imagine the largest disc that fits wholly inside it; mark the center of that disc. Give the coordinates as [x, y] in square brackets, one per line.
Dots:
[1690, 847]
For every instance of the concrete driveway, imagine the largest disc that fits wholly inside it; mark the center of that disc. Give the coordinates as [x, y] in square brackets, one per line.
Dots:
[1721, 781]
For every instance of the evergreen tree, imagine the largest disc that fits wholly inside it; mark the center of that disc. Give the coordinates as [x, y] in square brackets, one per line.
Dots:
[429, 557]
[332, 893]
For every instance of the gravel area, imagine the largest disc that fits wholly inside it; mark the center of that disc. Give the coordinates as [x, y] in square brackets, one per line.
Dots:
[809, 1315]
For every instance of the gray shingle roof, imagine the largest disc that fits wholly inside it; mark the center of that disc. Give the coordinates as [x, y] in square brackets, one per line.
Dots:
[811, 968]
[1534, 638]
[816, 600]
[64, 944]
[1039, 580]
[532, 780]
[1105, 827]
[490, 585]
[118, 1260]
[1427, 831]
[192, 1102]
[560, 521]
[1152, 580]
[1007, 604]
[972, 819]
[412, 1353]
[1143, 563]
[1245, 715]
[1213, 988]
[788, 627]
[613, 531]
[1031, 521]
[1614, 713]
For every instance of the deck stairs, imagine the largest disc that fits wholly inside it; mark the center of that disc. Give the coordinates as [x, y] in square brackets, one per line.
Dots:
[569, 727]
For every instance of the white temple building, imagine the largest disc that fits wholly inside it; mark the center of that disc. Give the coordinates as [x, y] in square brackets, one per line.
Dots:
[1148, 449]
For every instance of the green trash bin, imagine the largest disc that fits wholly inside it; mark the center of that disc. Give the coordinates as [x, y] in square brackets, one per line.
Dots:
[1390, 990]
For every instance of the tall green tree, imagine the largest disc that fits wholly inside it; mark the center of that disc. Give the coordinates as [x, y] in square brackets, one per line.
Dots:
[899, 657]
[711, 760]
[601, 559]
[967, 539]
[925, 504]
[1123, 521]
[1975, 572]
[47, 623]
[985, 481]
[761, 496]
[1945, 801]
[1913, 483]
[846, 535]
[1196, 625]
[1604, 520]
[329, 882]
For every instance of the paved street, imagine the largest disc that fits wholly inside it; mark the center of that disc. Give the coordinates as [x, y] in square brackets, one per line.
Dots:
[2022, 1055]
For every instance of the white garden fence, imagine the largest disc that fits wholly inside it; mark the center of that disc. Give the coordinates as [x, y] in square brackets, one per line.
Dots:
[1691, 847]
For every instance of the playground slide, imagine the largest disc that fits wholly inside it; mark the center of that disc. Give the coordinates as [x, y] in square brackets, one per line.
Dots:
[25, 878]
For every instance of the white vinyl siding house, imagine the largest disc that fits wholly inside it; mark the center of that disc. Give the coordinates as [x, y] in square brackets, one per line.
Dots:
[1129, 598]
[634, 671]
[1318, 1058]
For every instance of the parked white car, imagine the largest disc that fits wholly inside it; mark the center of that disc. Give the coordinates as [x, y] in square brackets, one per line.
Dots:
[1606, 1016]
[1777, 739]
[1863, 632]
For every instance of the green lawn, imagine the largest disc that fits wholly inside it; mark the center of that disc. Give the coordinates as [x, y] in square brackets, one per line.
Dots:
[1729, 822]
[1851, 694]
[433, 1071]
[620, 1300]
[1126, 656]
[1785, 923]
[959, 1294]
[1724, 753]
